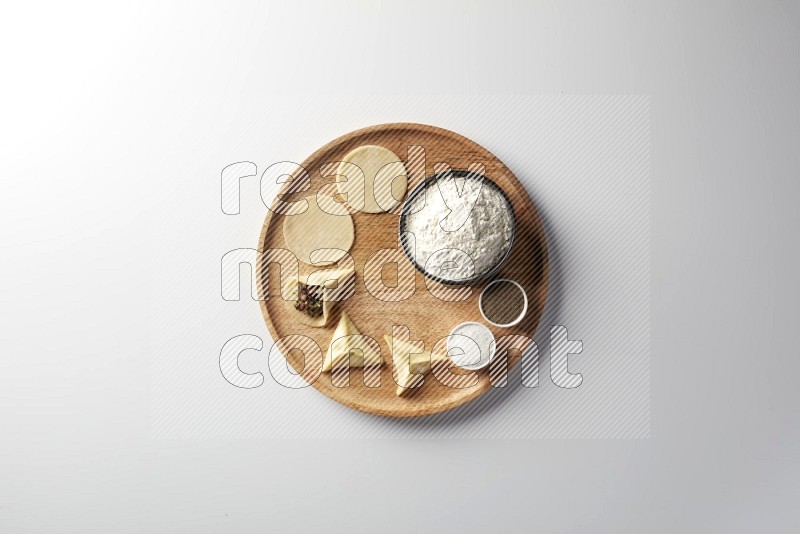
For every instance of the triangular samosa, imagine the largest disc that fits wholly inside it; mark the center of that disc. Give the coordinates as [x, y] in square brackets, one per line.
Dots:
[349, 348]
[410, 367]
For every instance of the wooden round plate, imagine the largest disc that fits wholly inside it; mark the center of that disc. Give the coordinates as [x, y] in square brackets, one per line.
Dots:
[428, 318]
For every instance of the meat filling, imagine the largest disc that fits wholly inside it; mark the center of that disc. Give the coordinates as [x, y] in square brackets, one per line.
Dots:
[309, 299]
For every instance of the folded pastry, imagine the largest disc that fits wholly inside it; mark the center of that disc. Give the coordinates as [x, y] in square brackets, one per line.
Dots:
[409, 368]
[315, 298]
[349, 348]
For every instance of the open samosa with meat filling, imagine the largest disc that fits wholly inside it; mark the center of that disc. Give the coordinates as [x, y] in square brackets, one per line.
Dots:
[315, 295]
[348, 348]
[409, 368]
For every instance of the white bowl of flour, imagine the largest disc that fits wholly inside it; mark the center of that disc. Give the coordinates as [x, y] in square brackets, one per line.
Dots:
[457, 227]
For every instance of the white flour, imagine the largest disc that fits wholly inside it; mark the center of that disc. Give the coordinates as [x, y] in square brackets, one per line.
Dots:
[454, 238]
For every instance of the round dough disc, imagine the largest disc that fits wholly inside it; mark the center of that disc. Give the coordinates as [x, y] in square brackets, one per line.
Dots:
[383, 185]
[316, 229]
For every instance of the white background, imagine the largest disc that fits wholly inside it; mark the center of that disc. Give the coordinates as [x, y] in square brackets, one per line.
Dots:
[112, 116]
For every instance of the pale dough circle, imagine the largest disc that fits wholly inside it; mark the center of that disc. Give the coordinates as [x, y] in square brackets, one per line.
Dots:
[381, 187]
[315, 229]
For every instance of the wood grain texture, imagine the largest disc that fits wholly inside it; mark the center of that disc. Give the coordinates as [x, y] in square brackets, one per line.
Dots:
[428, 318]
